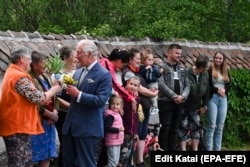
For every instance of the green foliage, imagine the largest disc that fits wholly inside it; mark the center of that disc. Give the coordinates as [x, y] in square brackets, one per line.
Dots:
[204, 20]
[55, 64]
[52, 29]
[237, 126]
[103, 30]
[186, 19]
[83, 31]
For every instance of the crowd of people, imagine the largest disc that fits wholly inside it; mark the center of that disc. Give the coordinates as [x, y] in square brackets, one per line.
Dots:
[102, 120]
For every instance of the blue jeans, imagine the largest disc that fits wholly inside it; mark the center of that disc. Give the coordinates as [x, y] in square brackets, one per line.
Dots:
[215, 118]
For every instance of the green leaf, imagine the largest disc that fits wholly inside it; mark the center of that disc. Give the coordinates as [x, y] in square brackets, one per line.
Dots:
[55, 64]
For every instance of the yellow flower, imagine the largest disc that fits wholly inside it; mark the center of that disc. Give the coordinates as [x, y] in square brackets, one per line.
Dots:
[68, 79]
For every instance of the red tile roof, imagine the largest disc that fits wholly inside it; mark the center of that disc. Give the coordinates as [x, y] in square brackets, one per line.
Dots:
[238, 54]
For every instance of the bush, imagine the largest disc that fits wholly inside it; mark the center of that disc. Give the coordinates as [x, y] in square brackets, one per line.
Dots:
[237, 126]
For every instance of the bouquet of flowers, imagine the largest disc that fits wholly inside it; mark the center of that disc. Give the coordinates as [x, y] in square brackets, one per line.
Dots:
[69, 80]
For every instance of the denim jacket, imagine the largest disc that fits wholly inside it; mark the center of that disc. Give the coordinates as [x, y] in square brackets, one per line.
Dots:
[166, 82]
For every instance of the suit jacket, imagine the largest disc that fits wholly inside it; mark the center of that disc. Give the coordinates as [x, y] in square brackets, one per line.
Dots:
[85, 118]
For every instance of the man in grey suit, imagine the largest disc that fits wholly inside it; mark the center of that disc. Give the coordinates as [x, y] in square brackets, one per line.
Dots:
[83, 126]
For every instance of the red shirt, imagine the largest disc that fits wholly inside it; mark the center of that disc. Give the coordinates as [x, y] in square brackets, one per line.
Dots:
[106, 63]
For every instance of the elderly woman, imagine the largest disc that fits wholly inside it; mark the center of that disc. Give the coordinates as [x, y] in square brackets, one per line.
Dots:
[19, 118]
[47, 112]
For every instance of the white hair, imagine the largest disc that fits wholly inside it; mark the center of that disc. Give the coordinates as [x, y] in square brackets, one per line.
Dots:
[90, 47]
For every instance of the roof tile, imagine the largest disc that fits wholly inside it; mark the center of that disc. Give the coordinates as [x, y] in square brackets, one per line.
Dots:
[238, 54]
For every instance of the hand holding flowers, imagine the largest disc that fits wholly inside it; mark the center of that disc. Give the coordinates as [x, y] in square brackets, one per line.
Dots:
[69, 80]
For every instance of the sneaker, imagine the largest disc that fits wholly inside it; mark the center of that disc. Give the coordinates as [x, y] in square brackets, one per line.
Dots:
[154, 110]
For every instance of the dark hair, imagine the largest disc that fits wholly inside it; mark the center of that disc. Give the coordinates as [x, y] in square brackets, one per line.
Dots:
[65, 51]
[118, 54]
[202, 62]
[37, 56]
[174, 46]
[132, 53]
[112, 97]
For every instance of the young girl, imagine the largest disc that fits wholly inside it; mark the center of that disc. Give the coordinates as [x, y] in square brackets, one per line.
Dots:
[150, 73]
[114, 130]
[130, 121]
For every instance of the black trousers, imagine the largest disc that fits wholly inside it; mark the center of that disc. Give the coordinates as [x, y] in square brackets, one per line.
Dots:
[59, 125]
[102, 157]
[169, 116]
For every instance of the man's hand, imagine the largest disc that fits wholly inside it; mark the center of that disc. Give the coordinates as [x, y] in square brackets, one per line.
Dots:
[178, 99]
[72, 91]
[202, 110]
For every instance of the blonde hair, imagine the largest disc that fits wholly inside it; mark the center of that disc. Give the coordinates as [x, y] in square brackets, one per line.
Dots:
[145, 54]
[223, 69]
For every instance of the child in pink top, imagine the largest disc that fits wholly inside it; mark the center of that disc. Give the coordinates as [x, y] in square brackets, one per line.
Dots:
[114, 130]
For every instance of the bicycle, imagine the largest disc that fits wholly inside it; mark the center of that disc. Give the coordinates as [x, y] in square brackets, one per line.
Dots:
[151, 141]
[202, 145]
